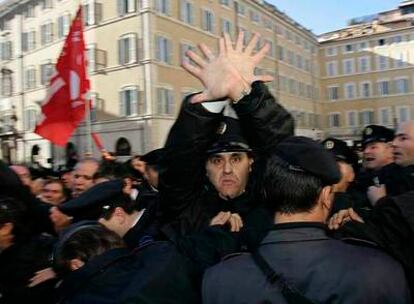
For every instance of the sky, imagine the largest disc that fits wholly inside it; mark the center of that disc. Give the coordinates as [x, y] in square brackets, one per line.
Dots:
[323, 16]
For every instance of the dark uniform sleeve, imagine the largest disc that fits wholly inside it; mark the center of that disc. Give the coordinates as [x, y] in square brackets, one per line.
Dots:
[182, 176]
[264, 121]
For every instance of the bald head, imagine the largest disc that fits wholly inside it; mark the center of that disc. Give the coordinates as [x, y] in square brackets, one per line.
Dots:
[403, 144]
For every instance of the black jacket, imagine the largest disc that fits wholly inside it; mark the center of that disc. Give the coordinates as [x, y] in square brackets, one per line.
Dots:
[153, 273]
[188, 202]
[324, 270]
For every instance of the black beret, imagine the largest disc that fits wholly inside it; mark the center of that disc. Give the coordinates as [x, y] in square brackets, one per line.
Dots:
[376, 133]
[305, 154]
[230, 137]
[340, 149]
[153, 157]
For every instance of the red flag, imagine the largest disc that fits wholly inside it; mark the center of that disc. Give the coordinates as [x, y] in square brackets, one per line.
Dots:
[64, 106]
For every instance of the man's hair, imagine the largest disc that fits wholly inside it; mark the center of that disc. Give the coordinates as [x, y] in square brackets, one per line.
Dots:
[288, 189]
[123, 201]
[83, 243]
[66, 192]
[87, 160]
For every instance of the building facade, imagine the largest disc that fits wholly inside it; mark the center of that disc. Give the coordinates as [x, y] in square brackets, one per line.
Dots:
[134, 52]
[367, 72]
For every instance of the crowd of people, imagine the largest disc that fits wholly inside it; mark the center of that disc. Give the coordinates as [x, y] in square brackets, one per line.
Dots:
[233, 209]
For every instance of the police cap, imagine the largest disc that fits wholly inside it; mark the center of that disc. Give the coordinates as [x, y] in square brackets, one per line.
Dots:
[340, 149]
[230, 137]
[377, 133]
[305, 154]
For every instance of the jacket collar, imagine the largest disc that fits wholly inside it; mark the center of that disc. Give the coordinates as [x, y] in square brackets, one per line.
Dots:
[296, 232]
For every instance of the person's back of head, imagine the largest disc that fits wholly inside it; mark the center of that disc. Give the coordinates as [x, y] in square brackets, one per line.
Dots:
[298, 178]
[81, 243]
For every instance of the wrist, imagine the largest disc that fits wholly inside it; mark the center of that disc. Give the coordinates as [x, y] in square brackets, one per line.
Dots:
[244, 92]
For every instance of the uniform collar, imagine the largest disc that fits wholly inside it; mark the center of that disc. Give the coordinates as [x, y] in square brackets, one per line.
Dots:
[296, 232]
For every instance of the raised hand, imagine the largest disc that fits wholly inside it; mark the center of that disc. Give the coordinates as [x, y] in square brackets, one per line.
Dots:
[228, 74]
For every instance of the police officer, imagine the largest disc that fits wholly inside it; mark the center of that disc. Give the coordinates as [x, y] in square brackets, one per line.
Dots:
[203, 144]
[297, 262]
[347, 160]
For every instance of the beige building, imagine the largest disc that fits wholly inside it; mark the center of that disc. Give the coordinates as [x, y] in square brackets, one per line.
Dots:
[135, 49]
[367, 73]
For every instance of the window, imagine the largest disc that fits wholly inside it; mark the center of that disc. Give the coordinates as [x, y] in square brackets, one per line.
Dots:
[292, 86]
[331, 51]
[348, 48]
[45, 4]
[268, 24]
[184, 48]
[163, 49]
[349, 91]
[127, 49]
[7, 83]
[381, 42]
[334, 120]
[299, 61]
[352, 119]
[186, 13]
[225, 2]
[331, 68]
[365, 90]
[208, 21]
[383, 88]
[366, 117]
[63, 25]
[46, 71]
[363, 46]
[254, 16]
[6, 50]
[403, 114]
[46, 33]
[163, 7]
[401, 86]
[29, 12]
[308, 91]
[348, 66]
[96, 58]
[165, 98]
[364, 64]
[397, 39]
[129, 104]
[382, 62]
[289, 35]
[241, 9]
[30, 78]
[400, 60]
[226, 26]
[28, 41]
[282, 83]
[384, 116]
[126, 6]
[297, 40]
[333, 93]
[92, 13]
[271, 52]
[30, 119]
[291, 58]
[281, 53]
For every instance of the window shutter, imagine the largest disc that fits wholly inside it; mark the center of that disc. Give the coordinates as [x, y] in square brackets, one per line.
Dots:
[133, 50]
[134, 101]
[159, 100]
[140, 50]
[132, 6]
[122, 103]
[121, 7]
[158, 40]
[121, 58]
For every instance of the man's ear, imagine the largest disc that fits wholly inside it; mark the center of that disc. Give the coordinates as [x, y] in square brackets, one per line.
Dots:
[326, 197]
[75, 264]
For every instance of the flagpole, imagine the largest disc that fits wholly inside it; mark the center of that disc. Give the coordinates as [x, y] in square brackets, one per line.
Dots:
[88, 120]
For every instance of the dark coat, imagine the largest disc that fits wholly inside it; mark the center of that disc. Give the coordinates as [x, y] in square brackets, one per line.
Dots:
[18, 265]
[154, 273]
[188, 203]
[324, 270]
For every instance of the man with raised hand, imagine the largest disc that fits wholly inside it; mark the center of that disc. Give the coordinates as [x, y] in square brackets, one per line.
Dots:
[204, 143]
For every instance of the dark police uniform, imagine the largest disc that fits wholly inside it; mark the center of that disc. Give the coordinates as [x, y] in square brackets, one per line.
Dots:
[187, 203]
[152, 273]
[324, 270]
